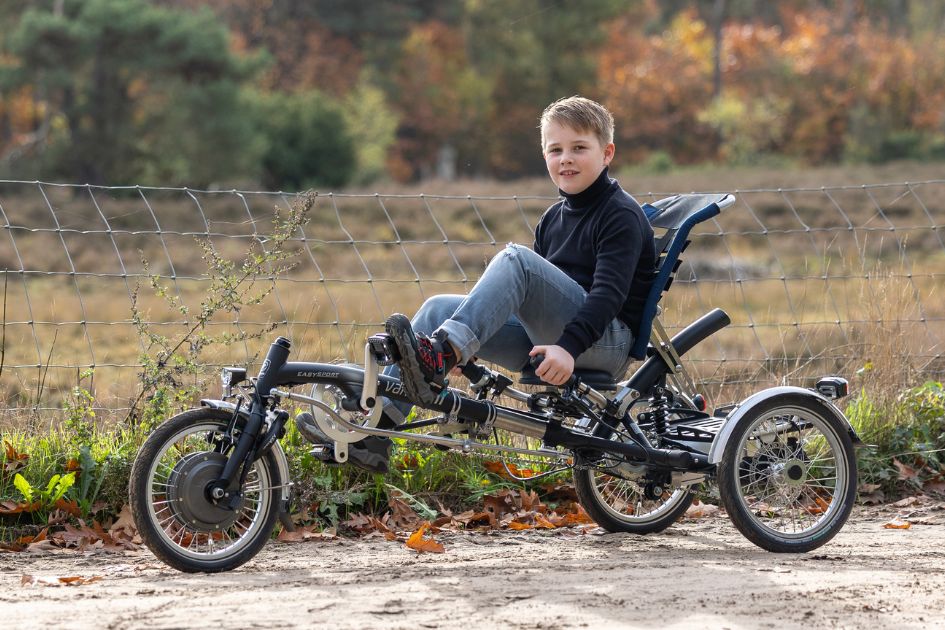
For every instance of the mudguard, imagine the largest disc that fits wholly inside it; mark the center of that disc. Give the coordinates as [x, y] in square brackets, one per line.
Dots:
[740, 410]
[281, 461]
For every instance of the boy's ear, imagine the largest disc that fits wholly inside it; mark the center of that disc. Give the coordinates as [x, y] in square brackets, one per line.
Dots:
[609, 151]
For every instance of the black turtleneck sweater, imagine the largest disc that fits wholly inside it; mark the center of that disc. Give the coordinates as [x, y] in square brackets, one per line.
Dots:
[602, 240]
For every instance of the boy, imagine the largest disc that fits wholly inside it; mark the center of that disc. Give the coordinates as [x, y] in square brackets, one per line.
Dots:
[576, 297]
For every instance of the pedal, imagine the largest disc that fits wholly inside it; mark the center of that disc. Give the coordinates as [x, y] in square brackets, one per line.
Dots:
[324, 453]
[383, 349]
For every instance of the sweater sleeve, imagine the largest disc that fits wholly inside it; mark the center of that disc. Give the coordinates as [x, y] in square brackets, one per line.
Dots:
[619, 241]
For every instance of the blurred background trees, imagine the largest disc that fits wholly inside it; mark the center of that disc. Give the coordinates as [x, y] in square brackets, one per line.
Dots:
[289, 94]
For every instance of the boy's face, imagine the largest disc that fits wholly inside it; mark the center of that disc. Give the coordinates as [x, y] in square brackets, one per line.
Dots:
[574, 157]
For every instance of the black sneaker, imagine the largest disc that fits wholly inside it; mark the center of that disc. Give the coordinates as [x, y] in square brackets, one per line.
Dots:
[424, 361]
[371, 454]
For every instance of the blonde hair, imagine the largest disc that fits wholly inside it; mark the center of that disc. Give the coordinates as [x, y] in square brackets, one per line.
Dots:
[581, 114]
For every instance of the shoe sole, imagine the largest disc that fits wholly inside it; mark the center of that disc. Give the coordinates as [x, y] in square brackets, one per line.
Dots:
[411, 375]
[372, 458]
[310, 430]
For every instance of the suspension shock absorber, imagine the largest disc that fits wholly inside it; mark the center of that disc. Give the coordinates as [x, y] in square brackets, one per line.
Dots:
[661, 400]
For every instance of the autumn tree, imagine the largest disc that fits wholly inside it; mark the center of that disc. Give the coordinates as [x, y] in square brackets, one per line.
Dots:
[657, 86]
[441, 100]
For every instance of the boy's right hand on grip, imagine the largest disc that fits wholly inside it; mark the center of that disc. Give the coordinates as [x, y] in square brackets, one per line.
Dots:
[540, 357]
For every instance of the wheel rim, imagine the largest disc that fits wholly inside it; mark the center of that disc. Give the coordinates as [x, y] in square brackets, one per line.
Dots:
[195, 528]
[792, 472]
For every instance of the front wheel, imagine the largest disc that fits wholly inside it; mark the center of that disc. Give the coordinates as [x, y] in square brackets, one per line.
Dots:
[787, 476]
[169, 503]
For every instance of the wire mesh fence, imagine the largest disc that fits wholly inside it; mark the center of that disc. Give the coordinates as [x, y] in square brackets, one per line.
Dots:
[829, 280]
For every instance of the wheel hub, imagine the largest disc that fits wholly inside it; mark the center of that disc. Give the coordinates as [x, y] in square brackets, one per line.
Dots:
[791, 472]
[188, 496]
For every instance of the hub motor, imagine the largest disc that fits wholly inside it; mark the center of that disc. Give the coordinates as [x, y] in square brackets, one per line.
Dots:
[187, 492]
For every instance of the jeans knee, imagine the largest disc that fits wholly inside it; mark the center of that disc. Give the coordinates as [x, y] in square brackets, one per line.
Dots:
[433, 312]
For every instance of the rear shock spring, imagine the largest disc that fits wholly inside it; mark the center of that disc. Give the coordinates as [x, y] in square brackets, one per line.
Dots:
[661, 402]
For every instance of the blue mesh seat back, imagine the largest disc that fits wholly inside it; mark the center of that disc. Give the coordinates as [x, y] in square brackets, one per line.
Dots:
[676, 215]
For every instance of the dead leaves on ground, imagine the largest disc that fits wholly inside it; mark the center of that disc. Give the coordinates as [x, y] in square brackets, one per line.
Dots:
[916, 510]
[515, 510]
[122, 535]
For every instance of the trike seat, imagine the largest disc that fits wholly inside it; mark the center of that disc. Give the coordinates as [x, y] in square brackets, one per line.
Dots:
[676, 216]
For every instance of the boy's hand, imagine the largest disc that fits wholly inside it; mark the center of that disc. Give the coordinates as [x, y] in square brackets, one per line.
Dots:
[557, 366]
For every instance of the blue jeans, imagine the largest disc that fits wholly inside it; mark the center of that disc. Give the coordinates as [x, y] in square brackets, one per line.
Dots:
[521, 301]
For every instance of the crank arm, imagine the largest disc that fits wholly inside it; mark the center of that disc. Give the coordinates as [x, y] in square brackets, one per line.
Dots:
[465, 445]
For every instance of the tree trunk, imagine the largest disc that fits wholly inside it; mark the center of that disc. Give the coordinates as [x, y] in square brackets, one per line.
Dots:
[718, 17]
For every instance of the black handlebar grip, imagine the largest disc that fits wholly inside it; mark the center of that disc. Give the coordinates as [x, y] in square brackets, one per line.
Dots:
[536, 360]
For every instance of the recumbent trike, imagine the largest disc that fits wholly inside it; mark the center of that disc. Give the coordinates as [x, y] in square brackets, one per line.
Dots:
[208, 484]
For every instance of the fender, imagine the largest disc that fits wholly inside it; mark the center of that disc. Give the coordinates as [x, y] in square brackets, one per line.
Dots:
[725, 433]
[281, 462]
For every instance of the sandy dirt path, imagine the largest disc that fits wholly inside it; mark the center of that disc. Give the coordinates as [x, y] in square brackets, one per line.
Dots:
[700, 573]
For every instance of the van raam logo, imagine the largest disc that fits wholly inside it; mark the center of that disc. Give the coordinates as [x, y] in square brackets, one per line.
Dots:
[319, 374]
[265, 367]
[395, 388]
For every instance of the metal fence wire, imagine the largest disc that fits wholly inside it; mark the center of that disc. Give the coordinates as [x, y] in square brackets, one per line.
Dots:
[828, 280]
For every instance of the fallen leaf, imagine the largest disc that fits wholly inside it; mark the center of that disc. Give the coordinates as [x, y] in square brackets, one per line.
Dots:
[529, 500]
[905, 502]
[123, 530]
[421, 544]
[11, 507]
[820, 506]
[72, 580]
[498, 504]
[577, 516]
[402, 515]
[897, 523]
[507, 470]
[542, 522]
[15, 461]
[906, 473]
[874, 497]
[472, 518]
[69, 507]
[302, 534]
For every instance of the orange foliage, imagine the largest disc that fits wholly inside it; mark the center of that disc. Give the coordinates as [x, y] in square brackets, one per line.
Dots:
[418, 542]
[656, 86]
[843, 83]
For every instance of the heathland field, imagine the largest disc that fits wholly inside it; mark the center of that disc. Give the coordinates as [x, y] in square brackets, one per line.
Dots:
[831, 270]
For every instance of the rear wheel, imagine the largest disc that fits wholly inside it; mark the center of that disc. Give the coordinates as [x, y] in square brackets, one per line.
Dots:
[787, 476]
[169, 503]
[619, 502]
